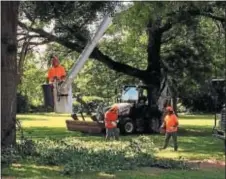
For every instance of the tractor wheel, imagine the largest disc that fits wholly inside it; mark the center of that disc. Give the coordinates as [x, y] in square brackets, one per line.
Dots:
[127, 127]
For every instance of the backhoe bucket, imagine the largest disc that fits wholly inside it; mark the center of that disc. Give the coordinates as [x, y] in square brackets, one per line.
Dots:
[84, 126]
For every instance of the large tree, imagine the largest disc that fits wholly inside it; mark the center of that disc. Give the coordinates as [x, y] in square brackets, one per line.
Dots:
[9, 19]
[160, 20]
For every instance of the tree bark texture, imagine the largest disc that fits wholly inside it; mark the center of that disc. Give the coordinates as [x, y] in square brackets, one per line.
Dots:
[9, 18]
[153, 75]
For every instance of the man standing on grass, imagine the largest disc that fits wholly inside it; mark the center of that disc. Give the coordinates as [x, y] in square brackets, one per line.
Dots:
[111, 117]
[170, 125]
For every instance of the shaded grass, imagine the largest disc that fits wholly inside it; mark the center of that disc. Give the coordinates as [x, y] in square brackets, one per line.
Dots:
[21, 171]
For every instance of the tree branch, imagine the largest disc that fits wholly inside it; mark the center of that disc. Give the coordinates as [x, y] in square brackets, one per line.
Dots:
[22, 55]
[74, 32]
[119, 67]
[173, 18]
[163, 41]
[40, 43]
[51, 37]
[221, 19]
[96, 54]
[28, 36]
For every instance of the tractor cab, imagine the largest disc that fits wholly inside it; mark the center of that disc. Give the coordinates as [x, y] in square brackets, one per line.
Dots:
[144, 117]
[135, 94]
[134, 114]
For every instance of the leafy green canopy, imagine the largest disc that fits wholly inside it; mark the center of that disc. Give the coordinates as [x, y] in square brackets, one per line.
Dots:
[191, 39]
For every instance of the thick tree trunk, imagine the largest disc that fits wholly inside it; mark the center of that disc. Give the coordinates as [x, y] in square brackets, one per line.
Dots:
[9, 18]
[153, 77]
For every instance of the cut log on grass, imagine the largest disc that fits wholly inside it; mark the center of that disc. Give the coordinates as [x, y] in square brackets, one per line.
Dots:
[84, 126]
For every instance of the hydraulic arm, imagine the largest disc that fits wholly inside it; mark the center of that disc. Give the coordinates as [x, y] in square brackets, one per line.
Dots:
[63, 93]
[85, 54]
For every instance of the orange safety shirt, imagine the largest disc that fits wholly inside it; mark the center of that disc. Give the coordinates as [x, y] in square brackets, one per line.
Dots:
[171, 123]
[58, 71]
[110, 118]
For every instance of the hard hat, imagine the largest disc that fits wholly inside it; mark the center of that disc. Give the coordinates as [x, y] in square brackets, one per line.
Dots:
[169, 108]
[55, 61]
[114, 108]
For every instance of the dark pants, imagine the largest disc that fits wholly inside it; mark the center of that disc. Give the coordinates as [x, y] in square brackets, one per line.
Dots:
[113, 132]
[167, 138]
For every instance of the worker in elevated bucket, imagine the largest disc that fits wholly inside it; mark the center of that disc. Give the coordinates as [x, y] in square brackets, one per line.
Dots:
[170, 126]
[111, 119]
[56, 72]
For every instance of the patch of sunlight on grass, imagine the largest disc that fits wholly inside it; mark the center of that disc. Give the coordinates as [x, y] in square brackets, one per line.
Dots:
[58, 120]
[196, 122]
[33, 171]
[196, 116]
[106, 175]
[168, 154]
[32, 120]
[180, 154]
[53, 168]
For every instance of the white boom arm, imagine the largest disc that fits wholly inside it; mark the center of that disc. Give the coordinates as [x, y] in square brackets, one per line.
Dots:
[85, 54]
[63, 104]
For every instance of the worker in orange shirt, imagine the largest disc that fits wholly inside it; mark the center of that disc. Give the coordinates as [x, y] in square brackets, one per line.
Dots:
[170, 125]
[56, 72]
[110, 119]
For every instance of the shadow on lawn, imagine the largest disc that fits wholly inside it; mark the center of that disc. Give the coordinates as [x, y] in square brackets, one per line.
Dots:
[29, 171]
[203, 146]
[187, 130]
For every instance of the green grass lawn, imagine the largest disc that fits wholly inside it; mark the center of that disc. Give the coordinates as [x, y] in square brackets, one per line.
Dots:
[195, 143]
[36, 172]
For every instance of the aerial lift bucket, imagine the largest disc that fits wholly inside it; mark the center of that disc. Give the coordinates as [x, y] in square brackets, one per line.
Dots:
[48, 95]
[61, 103]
